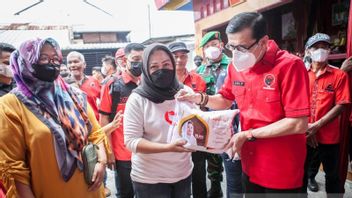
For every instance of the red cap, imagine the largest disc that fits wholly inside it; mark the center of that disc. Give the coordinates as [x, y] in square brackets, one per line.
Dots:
[120, 52]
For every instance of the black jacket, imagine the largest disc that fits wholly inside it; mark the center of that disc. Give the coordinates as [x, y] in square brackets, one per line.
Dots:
[4, 89]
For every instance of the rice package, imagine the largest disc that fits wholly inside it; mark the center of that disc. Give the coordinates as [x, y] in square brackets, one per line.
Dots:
[204, 131]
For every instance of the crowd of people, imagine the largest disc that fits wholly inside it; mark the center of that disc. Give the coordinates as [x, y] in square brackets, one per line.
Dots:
[289, 122]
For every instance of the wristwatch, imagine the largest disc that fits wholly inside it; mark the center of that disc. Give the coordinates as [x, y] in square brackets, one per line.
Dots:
[250, 136]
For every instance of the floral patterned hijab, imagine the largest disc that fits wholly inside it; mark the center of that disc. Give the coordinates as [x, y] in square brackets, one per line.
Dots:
[61, 107]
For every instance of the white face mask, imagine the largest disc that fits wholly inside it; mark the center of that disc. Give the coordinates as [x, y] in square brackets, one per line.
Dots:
[319, 55]
[243, 60]
[104, 71]
[212, 53]
[6, 71]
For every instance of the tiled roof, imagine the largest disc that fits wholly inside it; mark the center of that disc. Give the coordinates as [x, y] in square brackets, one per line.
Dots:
[16, 37]
[95, 46]
[28, 26]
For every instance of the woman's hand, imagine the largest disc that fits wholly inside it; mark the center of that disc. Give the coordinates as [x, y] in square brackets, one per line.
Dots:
[177, 146]
[184, 95]
[111, 161]
[99, 169]
[98, 176]
[117, 121]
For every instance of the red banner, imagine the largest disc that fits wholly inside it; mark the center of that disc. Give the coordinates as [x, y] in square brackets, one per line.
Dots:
[349, 33]
[235, 2]
[345, 122]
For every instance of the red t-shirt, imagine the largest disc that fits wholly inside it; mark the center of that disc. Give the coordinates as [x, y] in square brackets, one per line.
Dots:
[126, 85]
[195, 81]
[92, 88]
[276, 87]
[330, 88]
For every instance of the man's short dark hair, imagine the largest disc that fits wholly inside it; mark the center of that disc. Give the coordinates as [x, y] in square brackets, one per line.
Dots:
[110, 60]
[133, 46]
[252, 20]
[6, 48]
[97, 69]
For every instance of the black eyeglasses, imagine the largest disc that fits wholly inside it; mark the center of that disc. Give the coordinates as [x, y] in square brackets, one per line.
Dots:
[46, 60]
[240, 48]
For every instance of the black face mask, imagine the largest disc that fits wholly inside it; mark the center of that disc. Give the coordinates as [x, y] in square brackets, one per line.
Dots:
[163, 78]
[198, 63]
[46, 72]
[136, 68]
[64, 74]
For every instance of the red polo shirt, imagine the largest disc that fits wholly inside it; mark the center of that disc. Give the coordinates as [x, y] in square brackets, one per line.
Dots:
[92, 88]
[126, 85]
[195, 81]
[276, 87]
[330, 88]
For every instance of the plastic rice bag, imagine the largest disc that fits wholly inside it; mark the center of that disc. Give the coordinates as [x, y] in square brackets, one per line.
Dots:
[204, 131]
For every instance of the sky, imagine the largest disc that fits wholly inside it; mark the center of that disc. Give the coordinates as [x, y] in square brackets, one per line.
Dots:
[123, 15]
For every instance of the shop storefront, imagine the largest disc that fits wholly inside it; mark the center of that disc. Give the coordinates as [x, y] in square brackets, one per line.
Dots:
[290, 24]
[293, 23]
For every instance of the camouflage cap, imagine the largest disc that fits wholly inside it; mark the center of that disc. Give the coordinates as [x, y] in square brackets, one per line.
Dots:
[210, 36]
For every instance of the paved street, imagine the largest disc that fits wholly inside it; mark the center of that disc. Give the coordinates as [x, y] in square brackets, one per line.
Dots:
[320, 179]
[322, 194]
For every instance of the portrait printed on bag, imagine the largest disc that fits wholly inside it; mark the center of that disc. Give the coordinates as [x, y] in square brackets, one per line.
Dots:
[194, 130]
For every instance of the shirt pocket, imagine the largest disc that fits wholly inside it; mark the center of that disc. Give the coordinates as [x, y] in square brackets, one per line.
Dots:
[268, 102]
[268, 96]
[239, 93]
[326, 97]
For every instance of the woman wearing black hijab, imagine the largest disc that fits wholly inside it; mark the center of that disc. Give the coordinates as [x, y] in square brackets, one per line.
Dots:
[159, 169]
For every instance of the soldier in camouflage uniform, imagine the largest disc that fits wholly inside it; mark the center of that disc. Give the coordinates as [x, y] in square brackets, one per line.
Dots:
[214, 73]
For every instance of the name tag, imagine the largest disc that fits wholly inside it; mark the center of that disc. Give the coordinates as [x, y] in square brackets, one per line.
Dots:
[238, 83]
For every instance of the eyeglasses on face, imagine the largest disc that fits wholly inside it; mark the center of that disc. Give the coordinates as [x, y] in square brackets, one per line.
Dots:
[43, 59]
[240, 48]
